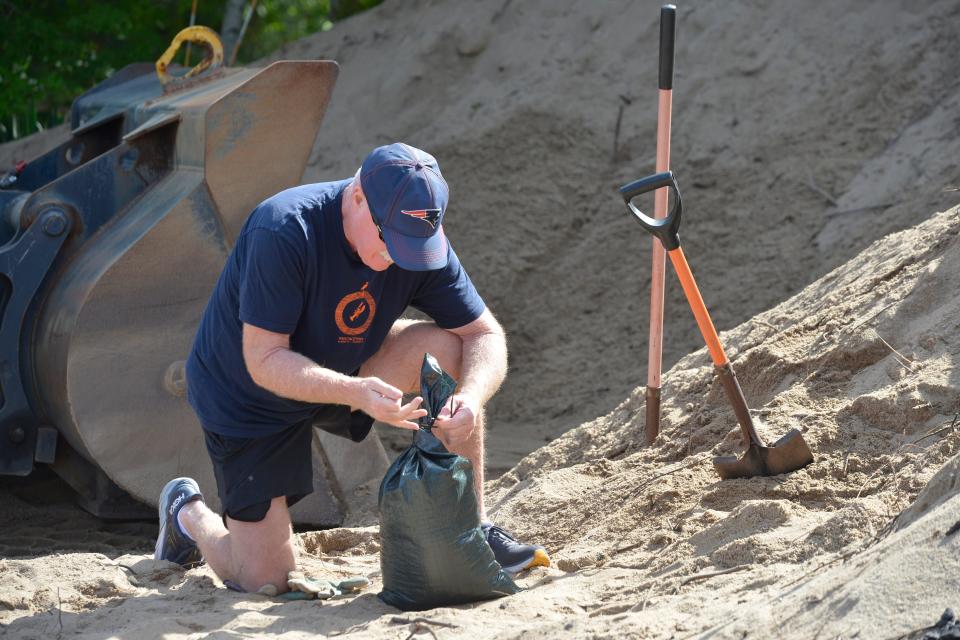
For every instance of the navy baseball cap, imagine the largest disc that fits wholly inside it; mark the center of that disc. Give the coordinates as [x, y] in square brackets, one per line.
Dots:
[408, 198]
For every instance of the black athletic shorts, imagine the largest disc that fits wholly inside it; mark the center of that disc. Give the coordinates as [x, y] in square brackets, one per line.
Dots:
[250, 472]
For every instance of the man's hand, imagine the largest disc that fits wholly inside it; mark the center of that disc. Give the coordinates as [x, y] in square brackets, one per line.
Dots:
[383, 402]
[455, 426]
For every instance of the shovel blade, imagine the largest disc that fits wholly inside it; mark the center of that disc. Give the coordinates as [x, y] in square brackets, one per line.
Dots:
[787, 454]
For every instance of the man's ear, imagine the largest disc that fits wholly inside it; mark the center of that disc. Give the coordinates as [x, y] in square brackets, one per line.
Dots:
[358, 195]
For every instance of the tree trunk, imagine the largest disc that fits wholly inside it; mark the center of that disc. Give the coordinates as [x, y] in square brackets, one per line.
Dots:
[232, 22]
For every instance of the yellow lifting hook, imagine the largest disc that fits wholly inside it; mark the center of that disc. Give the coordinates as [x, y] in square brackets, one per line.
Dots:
[197, 35]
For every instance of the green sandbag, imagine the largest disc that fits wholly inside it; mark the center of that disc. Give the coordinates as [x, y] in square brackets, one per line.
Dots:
[432, 550]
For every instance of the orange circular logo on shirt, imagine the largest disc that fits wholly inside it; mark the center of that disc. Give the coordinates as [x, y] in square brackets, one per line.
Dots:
[355, 312]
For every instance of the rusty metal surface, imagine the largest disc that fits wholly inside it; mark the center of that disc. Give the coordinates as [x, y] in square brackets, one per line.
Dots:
[171, 178]
[249, 135]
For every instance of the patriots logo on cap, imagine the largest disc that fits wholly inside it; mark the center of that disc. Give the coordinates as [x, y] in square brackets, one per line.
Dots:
[430, 216]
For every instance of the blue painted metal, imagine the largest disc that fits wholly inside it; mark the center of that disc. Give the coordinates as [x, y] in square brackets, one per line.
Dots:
[24, 263]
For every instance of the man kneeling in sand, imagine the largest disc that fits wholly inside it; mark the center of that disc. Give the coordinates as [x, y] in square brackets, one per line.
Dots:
[303, 330]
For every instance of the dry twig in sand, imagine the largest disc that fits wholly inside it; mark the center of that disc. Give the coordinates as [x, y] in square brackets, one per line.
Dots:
[810, 184]
[712, 574]
[686, 464]
[766, 324]
[629, 547]
[616, 131]
[418, 627]
[640, 606]
[950, 427]
[439, 623]
[903, 360]
[869, 207]
[872, 316]
[420, 624]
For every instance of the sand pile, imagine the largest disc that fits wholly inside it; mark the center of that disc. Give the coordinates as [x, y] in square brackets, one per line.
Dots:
[866, 363]
[799, 138]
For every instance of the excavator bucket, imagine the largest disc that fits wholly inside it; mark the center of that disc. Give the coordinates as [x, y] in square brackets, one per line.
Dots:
[110, 246]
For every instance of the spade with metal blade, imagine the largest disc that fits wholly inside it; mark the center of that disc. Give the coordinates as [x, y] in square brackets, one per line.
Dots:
[787, 454]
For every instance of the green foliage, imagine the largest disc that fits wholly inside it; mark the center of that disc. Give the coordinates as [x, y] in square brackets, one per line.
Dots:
[277, 22]
[280, 21]
[51, 51]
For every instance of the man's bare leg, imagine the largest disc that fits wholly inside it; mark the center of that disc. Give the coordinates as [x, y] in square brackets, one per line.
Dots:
[250, 554]
[473, 450]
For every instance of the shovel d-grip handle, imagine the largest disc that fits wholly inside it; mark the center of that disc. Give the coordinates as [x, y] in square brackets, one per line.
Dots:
[665, 229]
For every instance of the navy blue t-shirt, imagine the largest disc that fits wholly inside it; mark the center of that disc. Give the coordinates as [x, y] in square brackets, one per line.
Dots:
[293, 272]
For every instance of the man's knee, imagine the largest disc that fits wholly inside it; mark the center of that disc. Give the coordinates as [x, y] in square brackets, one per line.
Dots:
[398, 360]
[445, 346]
[263, 551]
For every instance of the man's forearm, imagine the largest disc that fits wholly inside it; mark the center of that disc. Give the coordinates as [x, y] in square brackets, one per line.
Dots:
[292, 375]
[483, 365]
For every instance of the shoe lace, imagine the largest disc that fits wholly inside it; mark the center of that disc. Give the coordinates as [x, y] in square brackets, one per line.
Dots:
[504, 536]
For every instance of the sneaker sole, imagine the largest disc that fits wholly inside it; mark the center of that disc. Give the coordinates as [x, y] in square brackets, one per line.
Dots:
[162, 534]
[539, 559]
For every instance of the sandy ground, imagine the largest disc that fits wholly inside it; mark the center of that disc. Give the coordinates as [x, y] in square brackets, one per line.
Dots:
[801, 140]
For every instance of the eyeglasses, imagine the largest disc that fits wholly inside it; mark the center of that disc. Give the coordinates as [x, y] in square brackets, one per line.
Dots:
[377, 225]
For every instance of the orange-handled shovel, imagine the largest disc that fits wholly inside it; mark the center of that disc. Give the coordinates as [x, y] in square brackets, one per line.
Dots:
[668, 32]
[790, 452]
